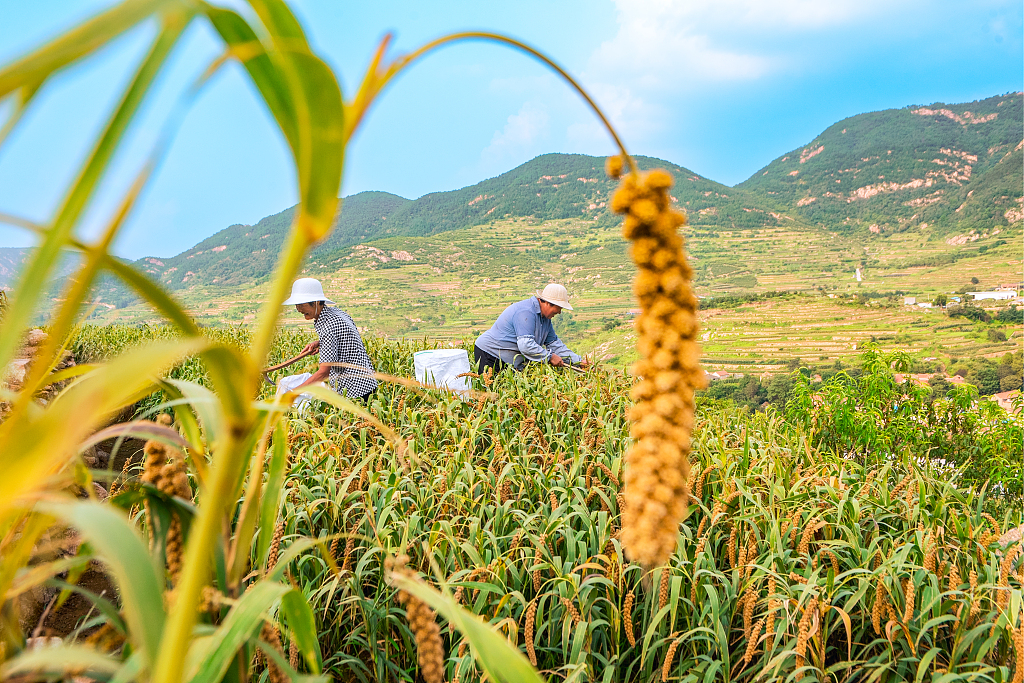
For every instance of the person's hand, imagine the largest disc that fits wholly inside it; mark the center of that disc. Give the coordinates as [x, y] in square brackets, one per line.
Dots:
[556, 360]
[584, 363]
[311, 347]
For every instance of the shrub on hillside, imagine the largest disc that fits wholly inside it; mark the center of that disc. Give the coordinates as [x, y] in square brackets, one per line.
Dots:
[873, 419]
[1011, 316]
[969, 311]
[996, 336]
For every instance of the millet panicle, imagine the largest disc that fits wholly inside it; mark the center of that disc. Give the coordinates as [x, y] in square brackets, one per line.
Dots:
[657, 466]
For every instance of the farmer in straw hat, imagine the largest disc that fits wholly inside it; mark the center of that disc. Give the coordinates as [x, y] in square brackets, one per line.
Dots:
[523, 332]
[338, 341]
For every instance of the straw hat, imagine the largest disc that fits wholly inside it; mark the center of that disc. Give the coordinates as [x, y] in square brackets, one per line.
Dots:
[557, 295]
[306, 290]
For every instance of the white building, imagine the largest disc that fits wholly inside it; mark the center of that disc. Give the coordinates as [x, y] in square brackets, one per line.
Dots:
[909, 300]
[998, 295]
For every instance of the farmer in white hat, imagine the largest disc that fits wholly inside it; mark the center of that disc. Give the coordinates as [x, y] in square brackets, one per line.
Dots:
[338, 342]
[523, 332]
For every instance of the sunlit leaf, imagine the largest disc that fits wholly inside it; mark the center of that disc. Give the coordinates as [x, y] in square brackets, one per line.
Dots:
[242, 623]
[58, 660]
[36, 448]
[303, 626]
[496, 655]
[116, 542]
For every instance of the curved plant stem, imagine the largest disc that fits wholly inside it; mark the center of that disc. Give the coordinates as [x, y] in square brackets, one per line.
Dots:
[375, 80]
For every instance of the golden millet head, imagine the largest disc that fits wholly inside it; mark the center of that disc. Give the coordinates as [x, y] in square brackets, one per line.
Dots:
[748, 655]
[613, 166]
[659, 179]
[663, 587]
[657, 466]
[627, 618]
[430, 649]
[531, 615]
[270, 636]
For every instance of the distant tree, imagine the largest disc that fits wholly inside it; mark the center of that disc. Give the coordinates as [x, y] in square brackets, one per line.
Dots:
[1012, 315]
[969, 311]
[974, 280]
[986, 378]
[1011, 383]
[780, 390]
[940, 387]
[753, 390]
[941, 300]
[996, 336]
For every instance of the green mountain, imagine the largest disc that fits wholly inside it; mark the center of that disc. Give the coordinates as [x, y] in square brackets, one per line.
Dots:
[12, 260]
[947, 168]
[931, 181]
[550, 187]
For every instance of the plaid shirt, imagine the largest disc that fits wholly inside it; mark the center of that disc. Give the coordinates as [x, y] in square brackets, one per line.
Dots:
[340, 343]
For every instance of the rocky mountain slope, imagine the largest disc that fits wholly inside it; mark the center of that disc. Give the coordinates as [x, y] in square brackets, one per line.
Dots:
[947, 168]
[13, 258]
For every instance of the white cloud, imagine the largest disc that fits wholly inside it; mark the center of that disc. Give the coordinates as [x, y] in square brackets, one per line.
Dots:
[658, 37]
[626, 110]
[664, 42]
[787, 14]
[667, 49]
[520, 136]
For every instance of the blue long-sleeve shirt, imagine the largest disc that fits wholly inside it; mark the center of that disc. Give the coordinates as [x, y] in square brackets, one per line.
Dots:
[521, 329]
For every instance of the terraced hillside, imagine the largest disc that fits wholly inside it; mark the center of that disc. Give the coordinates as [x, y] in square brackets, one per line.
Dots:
[942, 172]
[452, 285]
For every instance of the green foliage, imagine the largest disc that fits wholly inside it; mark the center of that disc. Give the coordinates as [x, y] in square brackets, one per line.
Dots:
[481, 502]
[873, 419]
[996, 336]
[990, 376]
[747, 392]
[969, 311]
[549, 187]
[737, 300]
[1011, 315]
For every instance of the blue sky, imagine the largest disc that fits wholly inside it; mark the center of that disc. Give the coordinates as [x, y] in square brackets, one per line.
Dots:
[721, 87]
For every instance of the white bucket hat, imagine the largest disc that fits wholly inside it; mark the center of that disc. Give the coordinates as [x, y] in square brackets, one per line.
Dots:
[306, 290]
[557, 295]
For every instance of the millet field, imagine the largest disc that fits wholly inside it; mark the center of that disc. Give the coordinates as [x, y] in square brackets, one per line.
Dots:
[801, 558]
[165, 519]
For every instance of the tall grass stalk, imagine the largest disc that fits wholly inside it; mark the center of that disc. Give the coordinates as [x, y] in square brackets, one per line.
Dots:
[304, 98]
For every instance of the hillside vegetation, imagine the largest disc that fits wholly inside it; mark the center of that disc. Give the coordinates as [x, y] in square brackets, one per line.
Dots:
[452, 285]
[446, 263]
[945, 167]
[550, 187]
[941, 169]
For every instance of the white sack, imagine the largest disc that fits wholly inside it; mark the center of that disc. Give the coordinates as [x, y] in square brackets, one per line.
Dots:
[441, 367]
[286, 384]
